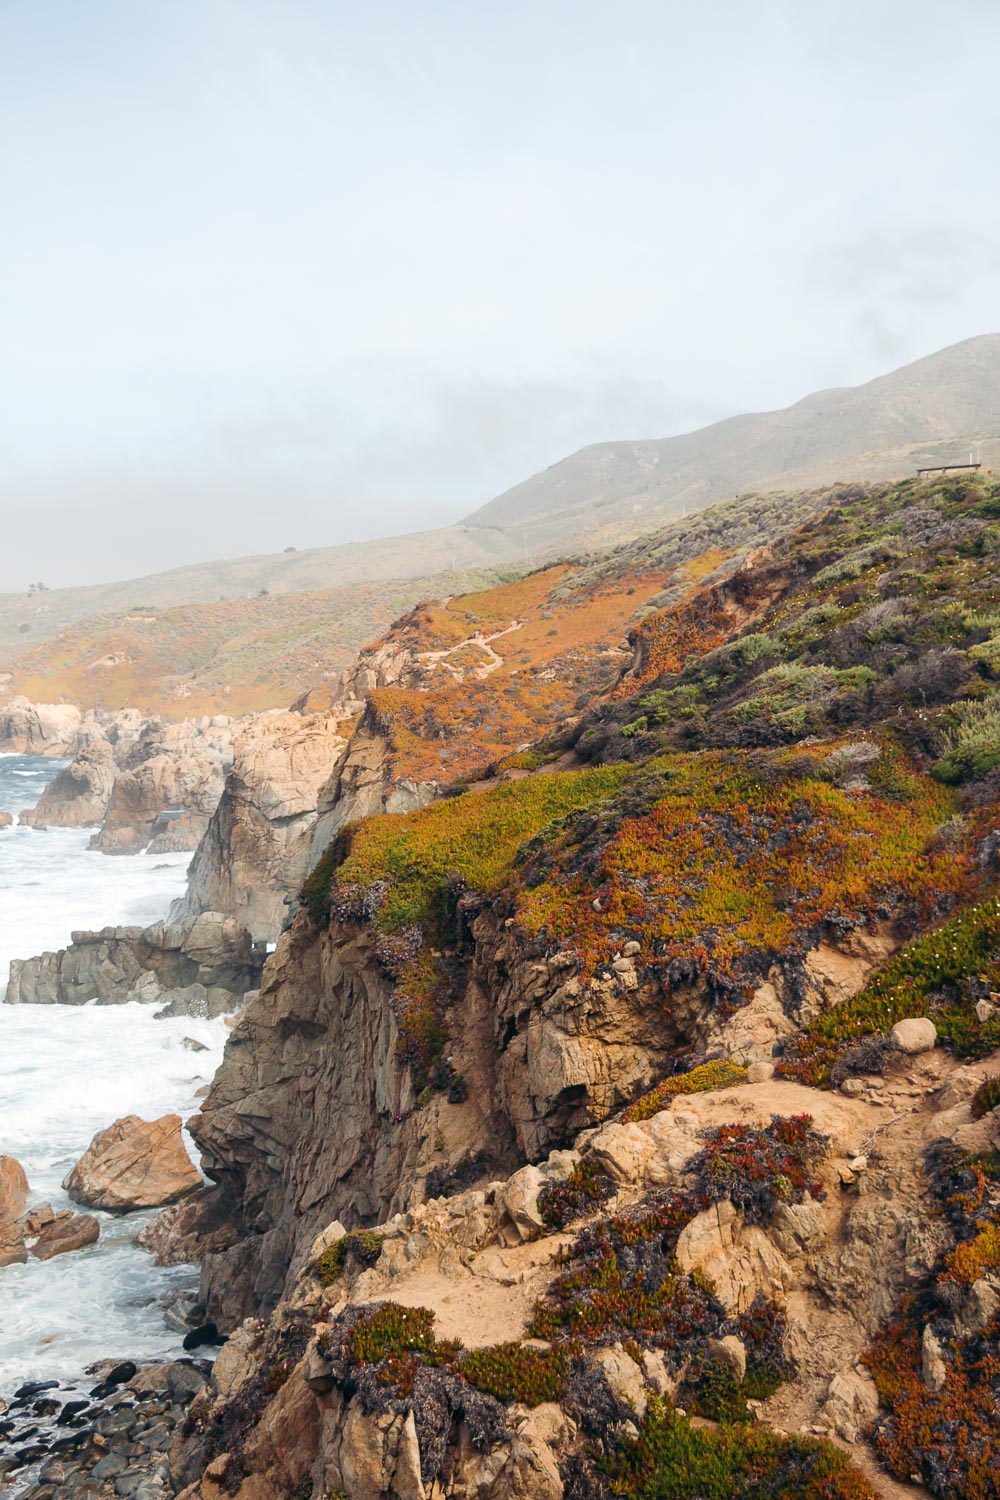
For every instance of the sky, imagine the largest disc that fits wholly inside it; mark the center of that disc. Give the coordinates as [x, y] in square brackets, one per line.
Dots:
[296, 272]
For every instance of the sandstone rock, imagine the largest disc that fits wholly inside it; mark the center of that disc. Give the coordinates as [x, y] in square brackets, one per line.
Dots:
[624, 1376]
[915, 1035]
[519, 1200]
[760, 1072]
[66, 1232]
[132, 1164]
[729, 1351]
[738, 1257]
[255, 850]
[980, 1307]
[13, 1197]
[6, 819]
[852, 1403]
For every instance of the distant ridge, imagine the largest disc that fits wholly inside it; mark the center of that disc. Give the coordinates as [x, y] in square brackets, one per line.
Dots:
[930, 411]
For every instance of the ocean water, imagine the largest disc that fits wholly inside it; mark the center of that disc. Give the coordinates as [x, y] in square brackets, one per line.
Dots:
[68, 1071]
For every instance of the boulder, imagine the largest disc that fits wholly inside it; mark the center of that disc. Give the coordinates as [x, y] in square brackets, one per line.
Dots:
[6, 819]
[133, 1164]
[13, 1197]
[66, 1232]
[919, 1034]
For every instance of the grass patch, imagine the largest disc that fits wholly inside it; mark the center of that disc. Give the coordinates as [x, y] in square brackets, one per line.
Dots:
[704, 1079]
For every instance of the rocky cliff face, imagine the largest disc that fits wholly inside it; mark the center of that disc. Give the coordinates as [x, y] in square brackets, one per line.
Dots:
[510, 1341]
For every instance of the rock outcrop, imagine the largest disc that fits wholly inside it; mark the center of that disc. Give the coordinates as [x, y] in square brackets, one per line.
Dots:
[541, 1054]
[13, 1198]
[203, 965]
[80, 793]
[173, 769]
[255, 851]
[132, 1164]
[64, 1233]
[28, 728]
[463, 1268]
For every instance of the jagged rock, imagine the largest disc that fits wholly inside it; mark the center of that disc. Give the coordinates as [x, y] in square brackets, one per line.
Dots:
[189, 1229]
[13, 1197]
[624, 1376]
[979, 1308]
[851, 1404]
[6, 819]
[202, 966]
[916, 1035]
[79, 795]
[520, 1201]
[132, 1164]
[171, 769]
[66, 1232]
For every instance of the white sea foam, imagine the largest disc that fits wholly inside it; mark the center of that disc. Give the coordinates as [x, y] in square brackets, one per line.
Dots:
[66, 1072]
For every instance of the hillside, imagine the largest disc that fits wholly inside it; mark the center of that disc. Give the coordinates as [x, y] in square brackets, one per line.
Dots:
[928, 412]
[662, 1057]
[27, 619]
[233, 656]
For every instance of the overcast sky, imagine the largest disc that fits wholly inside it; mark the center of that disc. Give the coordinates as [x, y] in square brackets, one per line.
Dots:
[280, 272]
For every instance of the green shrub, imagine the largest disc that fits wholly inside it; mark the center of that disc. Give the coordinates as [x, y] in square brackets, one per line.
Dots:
[584, 1188]
[363, 1246]
[671, 1460]
[986, 1097]
[703, 1079]
[510, 1372]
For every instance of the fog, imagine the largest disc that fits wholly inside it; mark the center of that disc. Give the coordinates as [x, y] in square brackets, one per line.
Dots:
[294, 272]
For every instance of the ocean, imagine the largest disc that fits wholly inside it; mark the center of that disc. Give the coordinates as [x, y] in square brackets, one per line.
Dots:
[68, 1071]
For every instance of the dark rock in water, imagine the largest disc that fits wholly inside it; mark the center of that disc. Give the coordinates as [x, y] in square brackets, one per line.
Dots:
[72, 1409]
[35, 1388]
[46, 1407]
[30, 1455]
[208, 1333]
[116, 1376]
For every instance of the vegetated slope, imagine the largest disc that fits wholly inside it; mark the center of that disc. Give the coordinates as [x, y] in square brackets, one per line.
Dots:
[490, 672]
[931, 411]
[233, 656]
[777, 834]
[27, 619]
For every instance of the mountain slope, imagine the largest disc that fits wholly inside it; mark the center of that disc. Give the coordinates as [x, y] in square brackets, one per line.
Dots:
[927, 412]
